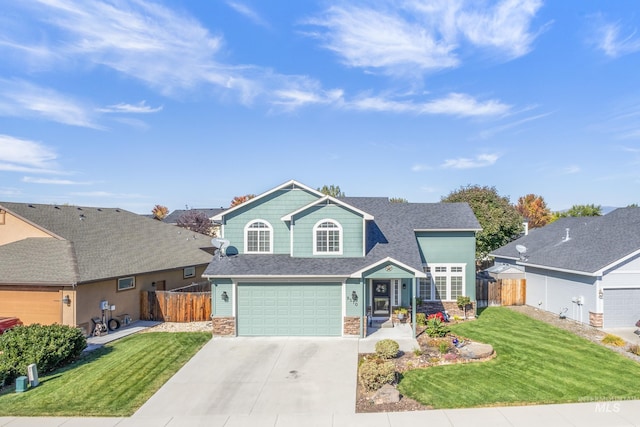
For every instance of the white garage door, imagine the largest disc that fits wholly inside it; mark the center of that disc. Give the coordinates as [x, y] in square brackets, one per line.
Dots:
[621, 307]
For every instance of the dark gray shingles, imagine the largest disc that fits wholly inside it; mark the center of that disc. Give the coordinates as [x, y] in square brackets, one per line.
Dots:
[112, 242]
[594, 242]
[391, 235]
[173, 217]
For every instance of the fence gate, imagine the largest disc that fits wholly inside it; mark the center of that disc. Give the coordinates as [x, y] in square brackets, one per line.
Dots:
[501, 292]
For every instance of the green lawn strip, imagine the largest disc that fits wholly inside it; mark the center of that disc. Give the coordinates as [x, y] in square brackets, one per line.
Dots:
[536, 363]
[112, 381]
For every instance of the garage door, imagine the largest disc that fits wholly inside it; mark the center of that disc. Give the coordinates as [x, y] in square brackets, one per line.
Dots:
[309, 309]
[42, 307]
[621, 307]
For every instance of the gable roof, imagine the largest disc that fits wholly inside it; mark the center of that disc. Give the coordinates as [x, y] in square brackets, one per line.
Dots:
[102, 243]
[595, 244]
[291, 183]
[390, 237]
[329, 199]
[54, 263]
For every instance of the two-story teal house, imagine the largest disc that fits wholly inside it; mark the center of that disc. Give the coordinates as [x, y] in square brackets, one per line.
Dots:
[303, 263]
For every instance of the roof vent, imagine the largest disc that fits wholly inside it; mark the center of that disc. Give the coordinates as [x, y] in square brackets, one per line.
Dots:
[31, 206]
[56, 207]
[79, 208]
[82, 217]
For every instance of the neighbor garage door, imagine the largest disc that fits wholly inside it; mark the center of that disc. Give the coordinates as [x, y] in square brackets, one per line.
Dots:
[621, 307]
[42, 307]
[283, 309]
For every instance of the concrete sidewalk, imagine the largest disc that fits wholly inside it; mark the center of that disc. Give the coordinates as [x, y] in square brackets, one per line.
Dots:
[593, 414]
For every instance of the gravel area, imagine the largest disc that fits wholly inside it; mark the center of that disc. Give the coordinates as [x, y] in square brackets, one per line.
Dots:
[182, 327]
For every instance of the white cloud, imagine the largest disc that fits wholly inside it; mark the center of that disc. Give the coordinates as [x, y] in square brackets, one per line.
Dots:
[21, 155]
[249, 13]
[480, 161]
[19, 98]
[420, 167]
[416, 36]
[455, 104]
[570, 170]
[139, 108]
[613, 43]
[32, 180]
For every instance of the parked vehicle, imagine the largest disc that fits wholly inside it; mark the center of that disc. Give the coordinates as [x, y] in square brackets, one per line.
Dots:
[7, 323]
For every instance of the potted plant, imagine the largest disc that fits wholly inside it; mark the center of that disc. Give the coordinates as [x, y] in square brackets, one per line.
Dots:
[462, 303]
[401, 313]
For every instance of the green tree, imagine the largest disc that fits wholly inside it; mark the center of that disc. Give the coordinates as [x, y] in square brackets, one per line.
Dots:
[578, 210]
[331, 190]
[499, 220]
[398, 200]
[534, 209]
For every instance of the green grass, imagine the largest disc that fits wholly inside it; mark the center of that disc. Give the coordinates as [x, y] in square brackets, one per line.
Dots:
[536, 363]
[112, 381]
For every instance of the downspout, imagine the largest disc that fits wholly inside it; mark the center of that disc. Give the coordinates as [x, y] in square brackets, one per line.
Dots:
[413, 305]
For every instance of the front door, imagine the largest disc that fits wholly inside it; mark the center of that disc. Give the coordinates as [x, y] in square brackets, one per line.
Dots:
[381, 298]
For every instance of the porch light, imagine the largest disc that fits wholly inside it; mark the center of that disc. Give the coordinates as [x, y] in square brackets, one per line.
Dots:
[224, 296]
[66, 300]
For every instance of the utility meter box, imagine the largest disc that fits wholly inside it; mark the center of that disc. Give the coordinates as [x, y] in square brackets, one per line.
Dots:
[32, 372]
[21, 384]
[104, 305]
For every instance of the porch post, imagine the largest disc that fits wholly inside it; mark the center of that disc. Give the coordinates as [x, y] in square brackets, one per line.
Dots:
[413, 305]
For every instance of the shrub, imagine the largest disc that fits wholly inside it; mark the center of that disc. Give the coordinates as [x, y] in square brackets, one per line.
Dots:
[635, 349]
[443, 347]
[436, 327]
[387, 349]
[417, 351]
[613, 340]
[50, 347]
[421, 319]
[437, 315]
[374, 373]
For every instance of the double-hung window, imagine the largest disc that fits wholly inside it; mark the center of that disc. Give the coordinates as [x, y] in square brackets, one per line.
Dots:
[258, 237]
[327, 238]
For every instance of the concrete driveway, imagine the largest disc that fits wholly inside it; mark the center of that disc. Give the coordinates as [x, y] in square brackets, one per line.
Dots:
[253, 376]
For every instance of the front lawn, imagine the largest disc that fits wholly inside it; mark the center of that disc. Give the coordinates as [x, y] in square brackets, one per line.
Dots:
[112, 381]
[536, 363]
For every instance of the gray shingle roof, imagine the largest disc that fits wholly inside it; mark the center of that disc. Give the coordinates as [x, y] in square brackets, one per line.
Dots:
[594, 242]
[391, 235]
[107, 242]
[53, 263]
[173, 217]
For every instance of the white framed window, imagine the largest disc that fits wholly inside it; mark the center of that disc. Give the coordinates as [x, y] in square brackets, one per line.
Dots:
[126, 283]
[258, 237]
[327, 238]
[189, 272]
[444, 282]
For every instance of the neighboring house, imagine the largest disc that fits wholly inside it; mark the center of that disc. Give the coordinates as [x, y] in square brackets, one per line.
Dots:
[173, 217]
[58, 263]
[586, 267]
[302, 263]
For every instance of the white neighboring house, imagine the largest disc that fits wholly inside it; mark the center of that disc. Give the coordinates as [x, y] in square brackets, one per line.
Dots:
[585, 267]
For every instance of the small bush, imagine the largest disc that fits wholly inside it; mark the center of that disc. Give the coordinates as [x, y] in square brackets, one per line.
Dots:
[456, 317]
[443, 347]
[374, 373]
[436, 327]
[387, 349]
[50, 347]
[417, 352]
[614, 340]
[421, 319]
[635, 349]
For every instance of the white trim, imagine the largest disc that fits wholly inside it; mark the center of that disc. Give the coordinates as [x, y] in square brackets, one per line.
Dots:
[234, 306]
[289, 183]
[133, 283]
[563, 270]
[448, 275]
[246, 237]
[417, 273]
[323, 199]
[315, 237]
[619, 261]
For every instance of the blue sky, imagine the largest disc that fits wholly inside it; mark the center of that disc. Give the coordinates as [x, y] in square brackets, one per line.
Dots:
[133, 103]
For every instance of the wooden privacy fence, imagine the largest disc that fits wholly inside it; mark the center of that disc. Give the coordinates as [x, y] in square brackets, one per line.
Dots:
[501, 292]
[167, 306]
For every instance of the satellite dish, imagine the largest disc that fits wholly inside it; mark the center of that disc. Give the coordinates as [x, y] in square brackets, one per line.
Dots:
[522, 249]
[220, 244]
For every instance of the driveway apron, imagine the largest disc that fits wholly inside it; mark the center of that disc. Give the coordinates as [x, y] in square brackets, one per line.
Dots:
[269, 376]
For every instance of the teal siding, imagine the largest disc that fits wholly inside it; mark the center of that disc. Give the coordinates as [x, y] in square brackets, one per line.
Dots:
[271, 209]
[395, 272]
[219, 306]
[451, 247]
[352, 230]
[354, 308]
